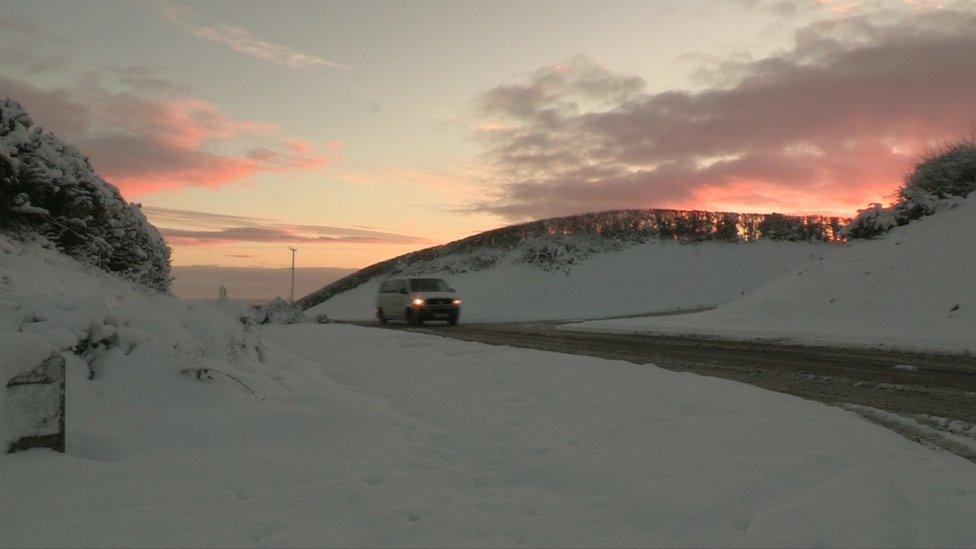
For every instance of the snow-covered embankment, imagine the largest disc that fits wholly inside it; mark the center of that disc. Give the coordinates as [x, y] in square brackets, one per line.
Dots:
[651, 277]
[912, 288]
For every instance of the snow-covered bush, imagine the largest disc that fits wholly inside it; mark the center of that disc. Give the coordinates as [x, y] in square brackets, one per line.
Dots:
[561, 253]
[945, 172]
[872, 221]
[323, 318]
[233, 308]
[468, 261]
[278, 311]
[943, 178]
[48, 189]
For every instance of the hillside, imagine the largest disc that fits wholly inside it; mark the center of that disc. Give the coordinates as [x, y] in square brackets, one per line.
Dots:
[49, 190]
[633, 279]
[186, 427]
[911, 288]
[629, 262]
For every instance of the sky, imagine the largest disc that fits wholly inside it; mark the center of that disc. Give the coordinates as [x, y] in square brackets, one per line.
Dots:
[357, 131]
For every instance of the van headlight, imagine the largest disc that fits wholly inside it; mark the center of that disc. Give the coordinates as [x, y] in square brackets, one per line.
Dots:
[456, 302]
[419, 302]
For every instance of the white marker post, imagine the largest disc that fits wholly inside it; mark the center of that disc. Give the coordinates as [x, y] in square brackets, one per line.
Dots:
[293, 250]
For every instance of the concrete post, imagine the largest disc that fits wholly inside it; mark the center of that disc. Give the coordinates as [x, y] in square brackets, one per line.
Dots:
[33, 399]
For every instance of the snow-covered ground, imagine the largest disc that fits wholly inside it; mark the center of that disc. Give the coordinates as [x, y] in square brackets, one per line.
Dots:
[380, 438]
[318, 435]
[646, 278]
[914, 288]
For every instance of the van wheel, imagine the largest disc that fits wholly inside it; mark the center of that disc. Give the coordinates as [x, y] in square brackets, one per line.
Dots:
[413, 318]
[453, 320]
[381, 317]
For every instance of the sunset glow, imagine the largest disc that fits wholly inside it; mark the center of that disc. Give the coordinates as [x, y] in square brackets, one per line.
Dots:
[244, 131]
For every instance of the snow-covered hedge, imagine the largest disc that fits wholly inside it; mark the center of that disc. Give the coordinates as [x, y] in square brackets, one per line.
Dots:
[48, 188]
[942, 179]
[561, 253]
[946, 172]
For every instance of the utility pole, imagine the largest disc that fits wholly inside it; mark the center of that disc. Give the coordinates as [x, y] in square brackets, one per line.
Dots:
[293, 250]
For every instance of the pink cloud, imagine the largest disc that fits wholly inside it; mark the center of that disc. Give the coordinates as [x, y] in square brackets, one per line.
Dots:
[145, 142]
[298, 146]
[828, 126]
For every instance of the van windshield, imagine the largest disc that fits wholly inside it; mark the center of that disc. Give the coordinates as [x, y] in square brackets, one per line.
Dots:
[428, 285]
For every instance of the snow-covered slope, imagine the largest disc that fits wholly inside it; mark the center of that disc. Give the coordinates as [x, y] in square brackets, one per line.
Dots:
[332, 435]
[642, 278]
[47, 187]
[913, 288]
[75, 306]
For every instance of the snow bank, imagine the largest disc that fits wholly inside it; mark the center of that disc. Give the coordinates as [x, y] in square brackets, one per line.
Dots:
[911, 289]
[639, 279]
[101, 322]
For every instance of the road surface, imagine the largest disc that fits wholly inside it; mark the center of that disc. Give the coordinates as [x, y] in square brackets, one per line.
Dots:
[913, 385]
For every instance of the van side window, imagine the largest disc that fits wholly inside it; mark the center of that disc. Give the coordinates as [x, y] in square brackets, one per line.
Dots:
[388, 286]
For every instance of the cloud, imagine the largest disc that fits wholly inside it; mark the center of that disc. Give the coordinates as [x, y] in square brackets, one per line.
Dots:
[29, 47]
[241, 40]
[146, 134]
[146, 80]
[827, 126]
[275, 234]
[188, 227]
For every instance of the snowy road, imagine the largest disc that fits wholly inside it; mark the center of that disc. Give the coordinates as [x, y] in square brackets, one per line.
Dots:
[907, 384]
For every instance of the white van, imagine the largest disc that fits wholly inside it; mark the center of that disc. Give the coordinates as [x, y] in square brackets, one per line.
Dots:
[416, 300]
